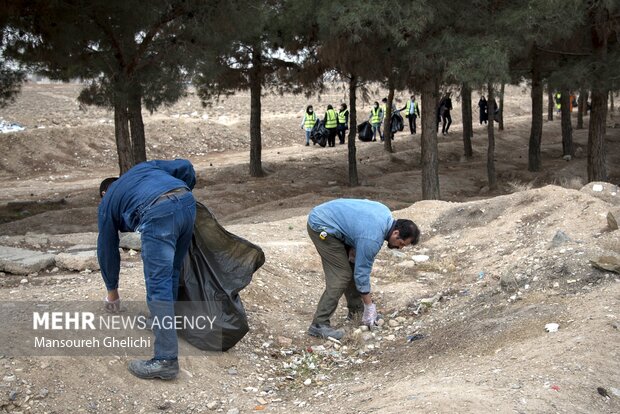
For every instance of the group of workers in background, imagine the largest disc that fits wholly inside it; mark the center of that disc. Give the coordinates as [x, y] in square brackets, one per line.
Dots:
[337, 122]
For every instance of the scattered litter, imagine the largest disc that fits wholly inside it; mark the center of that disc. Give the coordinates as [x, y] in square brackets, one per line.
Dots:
[603, 392]
[552, 327]
[414, 337]
[420, 258]
[597, 187]
[7, 127]
[555, 387]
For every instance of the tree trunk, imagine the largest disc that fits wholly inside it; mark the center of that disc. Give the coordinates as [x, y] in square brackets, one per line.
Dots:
[430, 150]
[121, 133]
[611, 104]
[136, 125]
[256, 169]
[550, 104]
[567, 129]
[581, 107]
[387, 121]
[468, 129]
[534, 157]
[597, 170]
[501, 107]
[491, 175]
[353, 179]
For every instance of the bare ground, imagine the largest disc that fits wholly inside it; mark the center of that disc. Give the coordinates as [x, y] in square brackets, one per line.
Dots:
[492, 260]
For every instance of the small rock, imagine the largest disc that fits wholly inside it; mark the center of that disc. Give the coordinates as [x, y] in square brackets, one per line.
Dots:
[213, 405]
[164, 406]
[380, 322]
[420, 258]
[308, 381]
[9, 378]
[43, 393]
[367, 336]
[391, 337]
[284, 341]
[23, 281]
[131, 241]
[232, 371]
[609, 263]
[365, 328]
[559, 239]
[261, 401]
[233, 411]
[567, 157]
[13, 395]
[393, 323]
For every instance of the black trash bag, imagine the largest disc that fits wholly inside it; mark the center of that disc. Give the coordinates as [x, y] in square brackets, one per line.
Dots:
[218, 266]
[364, 131]
[319, 134]
[397, 123]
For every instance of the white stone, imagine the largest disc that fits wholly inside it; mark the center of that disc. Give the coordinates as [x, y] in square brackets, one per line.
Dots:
[420, 258]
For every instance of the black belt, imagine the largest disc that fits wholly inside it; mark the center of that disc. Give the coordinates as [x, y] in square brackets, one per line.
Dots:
[166, 196]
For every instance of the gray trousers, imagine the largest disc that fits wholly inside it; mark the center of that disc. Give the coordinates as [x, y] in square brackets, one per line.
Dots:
[338, 278]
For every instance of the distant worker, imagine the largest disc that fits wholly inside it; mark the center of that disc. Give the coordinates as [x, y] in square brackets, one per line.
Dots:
[392, 112]
[443, 114]
[348, 234]
[558, 102]
[308, 122]
[483, 105]
[154, 198]
[376, 118]
[343, 122]
[330, 121]
[412, 112]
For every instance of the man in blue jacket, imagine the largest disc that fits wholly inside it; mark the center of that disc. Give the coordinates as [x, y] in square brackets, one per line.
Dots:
[348, 234]
[155, 199]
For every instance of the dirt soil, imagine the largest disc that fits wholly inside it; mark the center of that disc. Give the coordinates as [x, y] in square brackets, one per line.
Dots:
[501, 265]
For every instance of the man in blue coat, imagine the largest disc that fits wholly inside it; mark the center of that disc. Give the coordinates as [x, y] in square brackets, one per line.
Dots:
[155, 199]
[348, 234]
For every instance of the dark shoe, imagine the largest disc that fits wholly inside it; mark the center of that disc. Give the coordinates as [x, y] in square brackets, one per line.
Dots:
[165, 369]
[307, 144]
[325, 331]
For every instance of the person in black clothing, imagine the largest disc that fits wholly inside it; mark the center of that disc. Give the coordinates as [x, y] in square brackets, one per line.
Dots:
[484, 110]
[443, 114]
[343, 122]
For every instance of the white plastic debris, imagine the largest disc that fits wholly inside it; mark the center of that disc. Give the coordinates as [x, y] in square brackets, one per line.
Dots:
[552, 327]
[597, 187]
[420, 258]
[6, 127]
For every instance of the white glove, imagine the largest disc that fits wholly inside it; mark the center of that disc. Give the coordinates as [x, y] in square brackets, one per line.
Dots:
[112, 306]
[369, 317]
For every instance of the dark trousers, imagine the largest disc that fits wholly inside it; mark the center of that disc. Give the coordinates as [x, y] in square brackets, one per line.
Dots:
[446, 122]
[331, 138]
[412, 119]
[338, 278]
[341, 133]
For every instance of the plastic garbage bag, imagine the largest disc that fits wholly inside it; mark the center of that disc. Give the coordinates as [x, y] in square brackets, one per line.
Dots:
[319, 134]
[397, 122]
[364, 131]
[218, 266]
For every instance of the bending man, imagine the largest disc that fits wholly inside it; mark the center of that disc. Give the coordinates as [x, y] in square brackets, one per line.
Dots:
[155, 199]
[348, 234]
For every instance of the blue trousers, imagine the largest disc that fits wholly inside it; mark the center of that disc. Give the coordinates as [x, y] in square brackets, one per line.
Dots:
[166, 230]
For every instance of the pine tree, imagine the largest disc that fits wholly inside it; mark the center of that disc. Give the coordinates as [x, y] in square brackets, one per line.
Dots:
[133, 52]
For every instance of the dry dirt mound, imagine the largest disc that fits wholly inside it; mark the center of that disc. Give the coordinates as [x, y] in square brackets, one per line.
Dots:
[498, 270]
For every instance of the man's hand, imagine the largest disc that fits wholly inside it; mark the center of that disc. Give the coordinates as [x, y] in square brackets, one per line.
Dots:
[370, 315]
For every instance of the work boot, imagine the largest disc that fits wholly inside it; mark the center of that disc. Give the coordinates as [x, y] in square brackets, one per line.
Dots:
[325, 331]
[165, 369]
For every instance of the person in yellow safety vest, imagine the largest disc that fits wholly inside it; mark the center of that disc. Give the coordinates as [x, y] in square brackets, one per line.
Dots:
[343, 122]
[558, 102]
[330, 121]
[376, 118]
[307, 123]
[412, 111]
